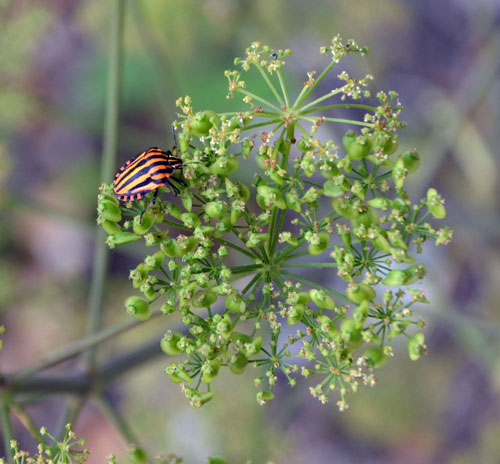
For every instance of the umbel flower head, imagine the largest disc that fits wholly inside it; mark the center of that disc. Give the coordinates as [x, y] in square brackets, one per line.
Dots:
[307, 267]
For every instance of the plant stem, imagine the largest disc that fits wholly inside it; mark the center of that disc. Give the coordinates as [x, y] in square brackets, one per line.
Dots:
[315, 284]
[346, 121]
[270, 84]
[260, 99]
[8, 433]
[100, 259]
[332, 107]
[283, 87]
[112, 413]
[306, 91]
[317, 265]
[76, 348]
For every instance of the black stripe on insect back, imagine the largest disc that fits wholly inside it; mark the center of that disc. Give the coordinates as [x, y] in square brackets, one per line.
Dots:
[134, 175]
[159, 157]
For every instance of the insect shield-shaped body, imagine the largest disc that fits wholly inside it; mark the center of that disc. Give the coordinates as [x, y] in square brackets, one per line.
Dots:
[146, 172]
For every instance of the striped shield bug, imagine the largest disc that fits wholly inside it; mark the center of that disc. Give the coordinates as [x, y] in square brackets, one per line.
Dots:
[146, 172]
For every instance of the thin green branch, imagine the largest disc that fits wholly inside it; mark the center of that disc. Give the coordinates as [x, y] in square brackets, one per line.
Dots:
[236, 247]
[340, 120]
[100, 259]
[340, 105]
[7, 431]
[306, 91]
[77, 348]
[315, 285]
[283, 87]
[317, 265]
[269, 83]
[260, 99]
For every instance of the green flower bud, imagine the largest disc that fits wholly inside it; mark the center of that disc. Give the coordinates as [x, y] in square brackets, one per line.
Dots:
[416, 346]
[215, 209]
[375, 356]
[357, 292]
[321, 299]
[223, 166]
[204, 298]
[317, 249]
[110, 211]
[326, 325]
[201, 123]
[190, 220]
[235, 303]
[360, 314]
[411, 160]
[138, 307]
[111, 227]
[170, 343]
[296, 313]
[396, 278]
[351, 333]
[238, 363]
[142, 227]
[435, 204]
[210, 370]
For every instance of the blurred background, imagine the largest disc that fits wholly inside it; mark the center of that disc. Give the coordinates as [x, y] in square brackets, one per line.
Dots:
[442, 56]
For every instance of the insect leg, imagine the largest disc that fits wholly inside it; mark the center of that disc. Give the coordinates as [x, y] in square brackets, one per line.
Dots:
[179, 181]
[174, 188]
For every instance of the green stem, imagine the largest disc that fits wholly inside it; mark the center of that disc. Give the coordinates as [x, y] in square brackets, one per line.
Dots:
[270, 84]
[26, 420]
[112, 413]
[250, 284]
[260, 99]
[76, 348]
[7, 431]
[236, 247]
[315, 285]
[306, 91]
[318, 265]
[283, 87]
[332, 107]
[100, 260]
[345, 121]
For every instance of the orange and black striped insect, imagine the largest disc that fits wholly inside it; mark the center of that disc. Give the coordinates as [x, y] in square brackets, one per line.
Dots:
[146, 172]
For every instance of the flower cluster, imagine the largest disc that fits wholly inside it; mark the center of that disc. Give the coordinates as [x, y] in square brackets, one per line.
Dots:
[282, 271]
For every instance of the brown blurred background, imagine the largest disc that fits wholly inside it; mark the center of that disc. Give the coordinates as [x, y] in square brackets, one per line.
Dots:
[442, 56]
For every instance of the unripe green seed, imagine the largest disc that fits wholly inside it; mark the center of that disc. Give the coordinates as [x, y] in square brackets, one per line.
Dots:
[329, 170]
[178, 373]
[360, 314]
[216, 459]
[111, 227]
[411, 160]
[256, 239]
[215, 209]
[264, 396]
[154, 261]
[317, 249]
[399, 173]
[210, 370]
[327, 325]
[381, 243]
[190, 220]
[246, 147]
[358, 292]
[293, 201]
[380, 203]
[121, 238]
[142, 227]
[435, 204]
[238, 363]
[138, 307]
[201, 123]
[169, 343]
[238, 337]
[244, 192]
[332, 189]
[391, 144]
[348, 139]
[303, 145]
[204, 298]
[351, 333]
[187, 200]
[224, 327]
[416, 346]
[251, 349]
[321, 299]
[171, 209]
[415, 272]
[110, 211]
[396, 238]
[375, 356]
[396, 278]
[344, 208]
[295, 314]
[170, 248]
[359, 148]
[223, 166]
[235, 303]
